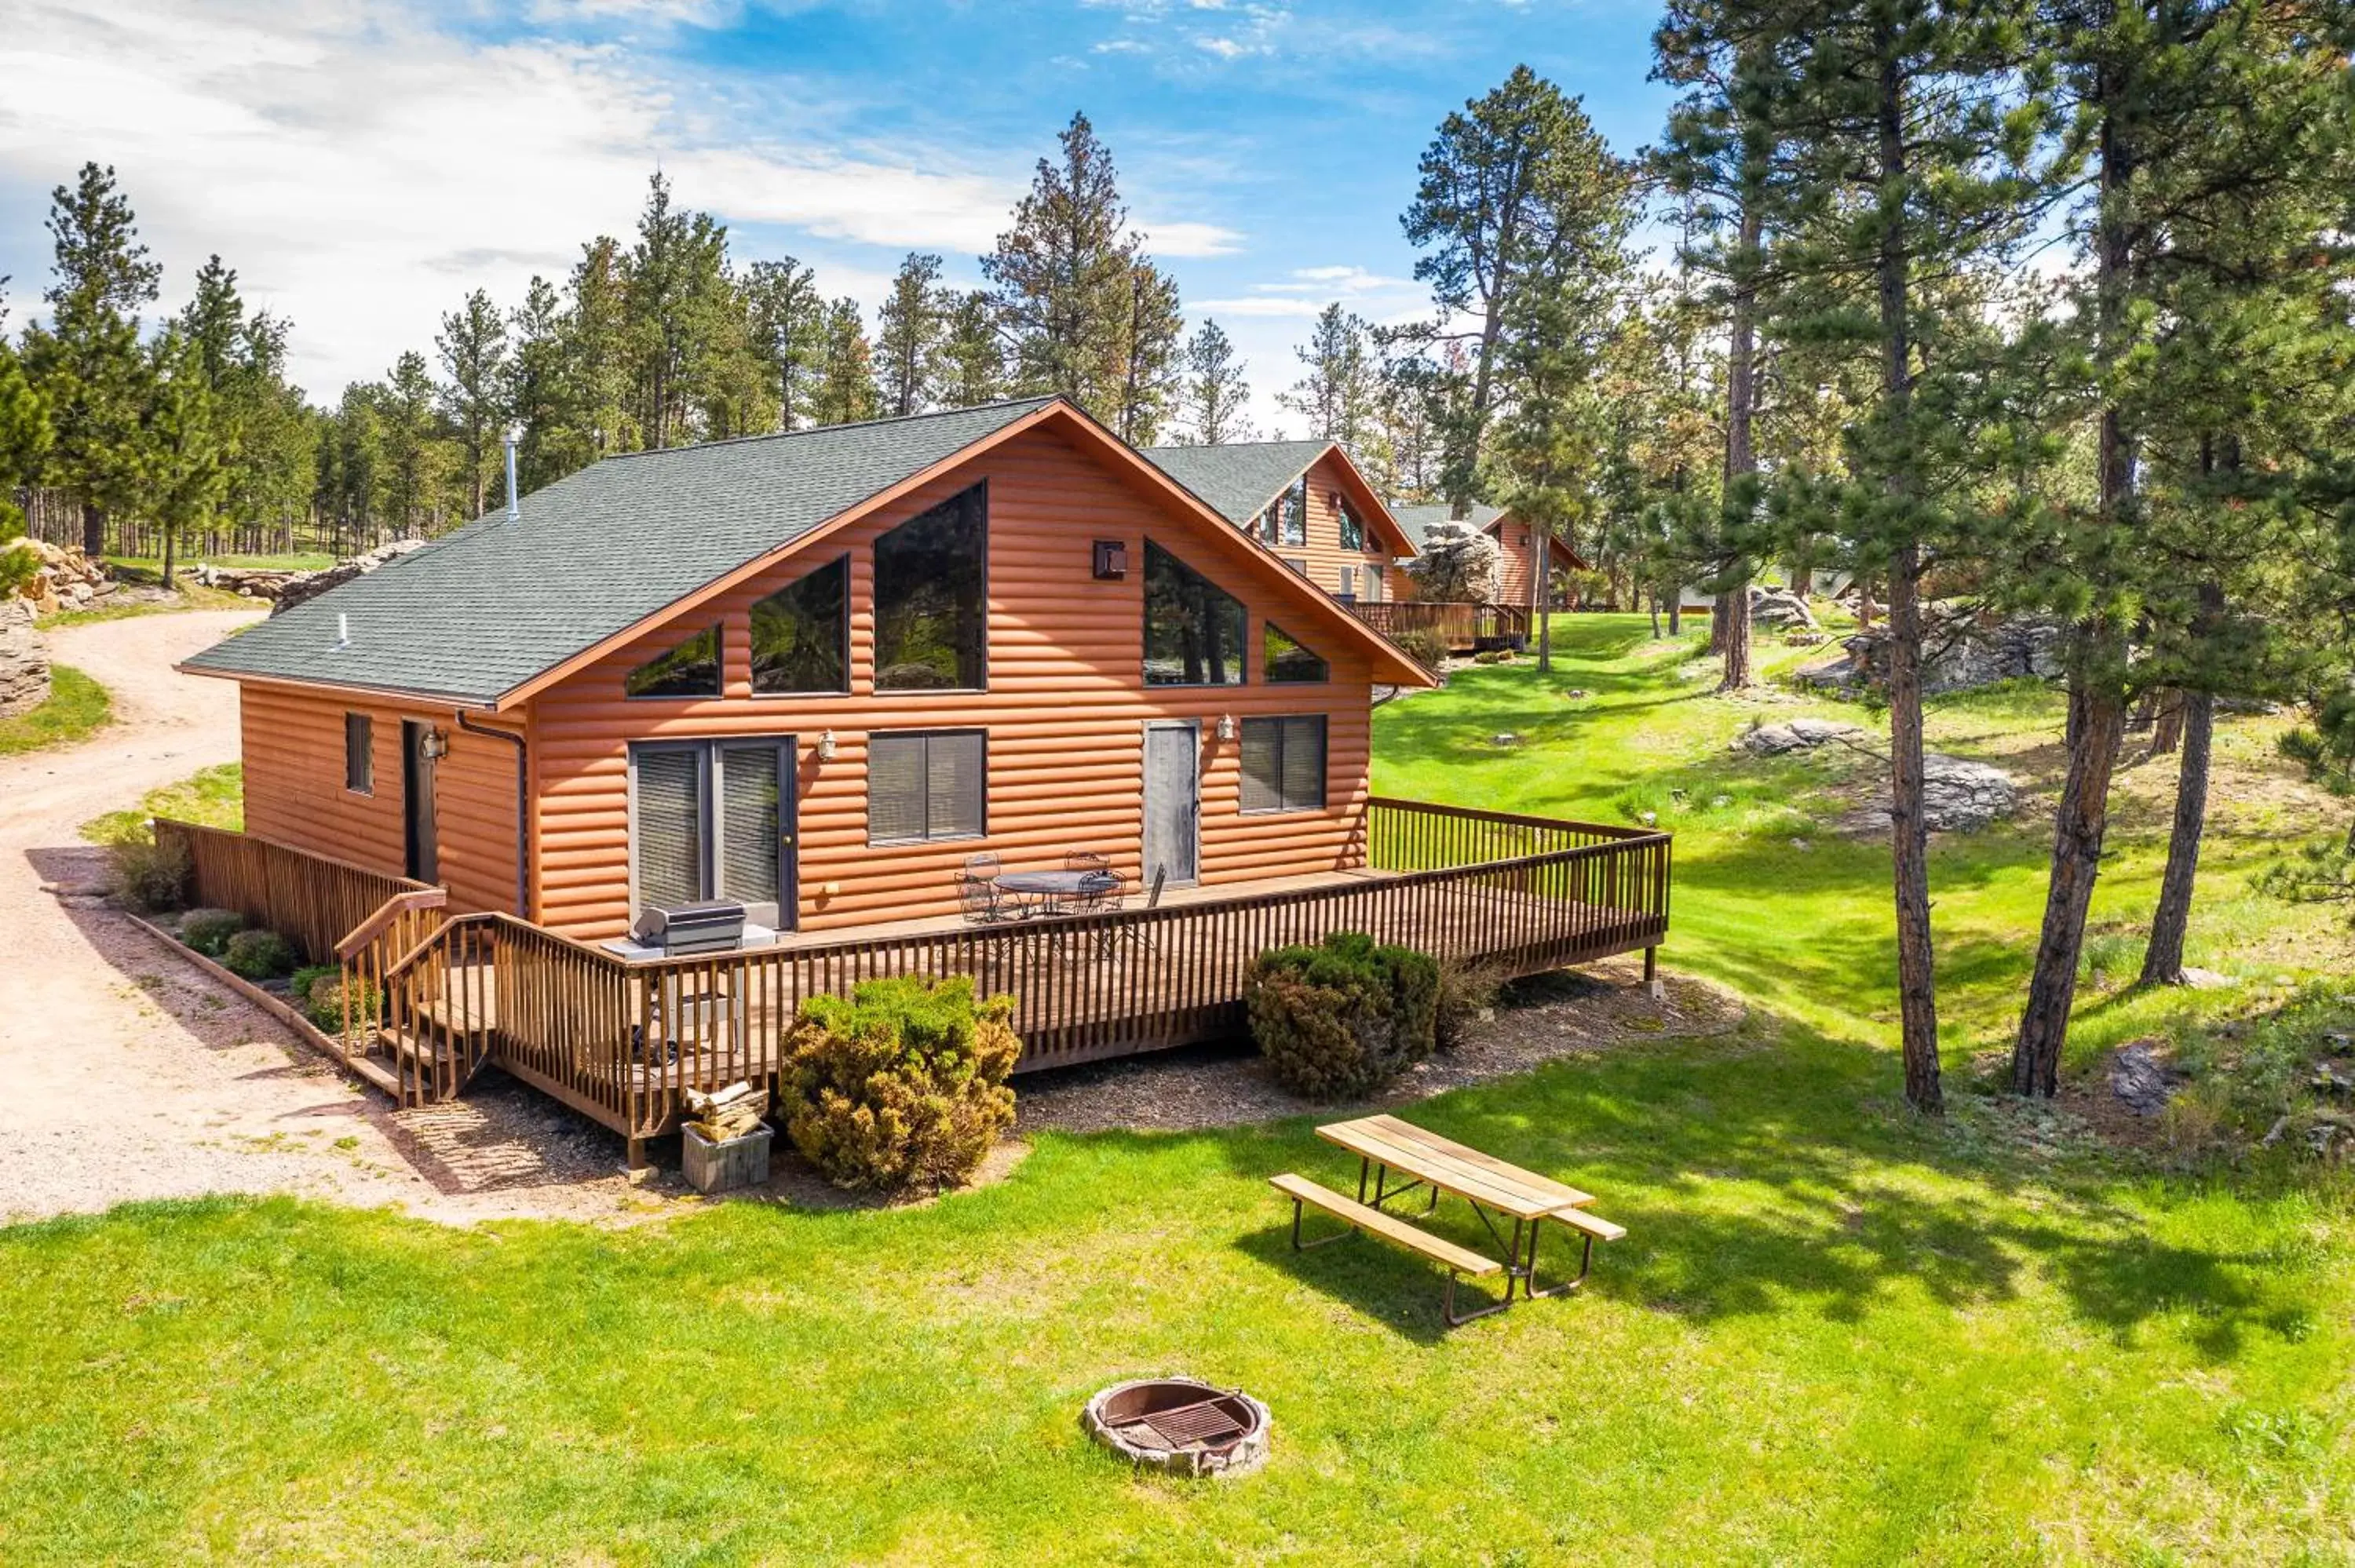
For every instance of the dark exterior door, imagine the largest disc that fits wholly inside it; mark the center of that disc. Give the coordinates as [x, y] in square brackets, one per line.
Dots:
[422, 843]
[1173, 803]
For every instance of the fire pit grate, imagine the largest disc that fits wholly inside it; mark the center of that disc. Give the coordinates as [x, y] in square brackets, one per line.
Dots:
[1180, 1425]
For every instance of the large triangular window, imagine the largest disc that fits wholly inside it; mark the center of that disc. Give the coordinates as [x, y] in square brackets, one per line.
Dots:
[690, 670]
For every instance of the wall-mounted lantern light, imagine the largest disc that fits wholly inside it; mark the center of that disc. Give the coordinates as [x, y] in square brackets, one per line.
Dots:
[1111, 559]
[434, 745]
[826, 746]
[1226, 727]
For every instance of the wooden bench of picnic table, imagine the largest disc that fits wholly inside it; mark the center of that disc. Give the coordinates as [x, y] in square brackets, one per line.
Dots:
[1384, 1144]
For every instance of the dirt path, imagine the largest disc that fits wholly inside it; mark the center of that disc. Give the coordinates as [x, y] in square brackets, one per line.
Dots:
[126, 1074]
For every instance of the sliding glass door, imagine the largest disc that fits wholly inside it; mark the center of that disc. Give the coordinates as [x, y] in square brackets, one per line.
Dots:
[713, 819]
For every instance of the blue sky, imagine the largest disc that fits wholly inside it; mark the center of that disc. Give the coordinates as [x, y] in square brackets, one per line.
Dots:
[364, 165]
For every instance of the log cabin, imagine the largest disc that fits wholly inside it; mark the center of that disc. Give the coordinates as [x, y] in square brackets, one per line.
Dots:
[1518, 581]
[1306, 502]
[831, 680]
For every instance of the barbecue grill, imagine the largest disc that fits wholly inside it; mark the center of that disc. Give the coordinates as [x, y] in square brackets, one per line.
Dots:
[712, 927]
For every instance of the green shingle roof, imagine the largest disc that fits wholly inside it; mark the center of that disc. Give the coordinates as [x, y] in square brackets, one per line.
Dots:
[1418, 521]
[474, 615]
[1239, 480]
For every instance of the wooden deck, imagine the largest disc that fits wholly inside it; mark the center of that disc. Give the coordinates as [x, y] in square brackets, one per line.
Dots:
[437, 996]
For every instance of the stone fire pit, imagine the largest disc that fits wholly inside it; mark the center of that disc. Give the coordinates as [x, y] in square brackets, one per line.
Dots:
[1180, 1426]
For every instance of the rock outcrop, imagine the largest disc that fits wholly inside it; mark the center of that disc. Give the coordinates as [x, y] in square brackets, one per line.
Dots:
[304, 587]
[1458, 565]
[65, 578]
[1959, 650]
[245, 582]
[24, 660]
[1796, 735]
[1779, 609]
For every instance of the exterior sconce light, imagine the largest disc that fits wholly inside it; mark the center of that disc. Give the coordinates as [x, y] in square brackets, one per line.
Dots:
[826, 746]
[1111, 559]
[434, 745]
[1226, 727]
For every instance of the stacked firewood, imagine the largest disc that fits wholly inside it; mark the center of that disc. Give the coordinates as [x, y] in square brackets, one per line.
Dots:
[727, 1113]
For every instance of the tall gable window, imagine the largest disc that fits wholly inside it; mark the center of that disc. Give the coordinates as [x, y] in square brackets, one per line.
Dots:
[1283, 661]
[801, 635]
[926, 786]
[1353, 527]
[690, 670]
[359, 754]
[1283, 763]
[1193, 628]
[1285, 521]
[932, 593]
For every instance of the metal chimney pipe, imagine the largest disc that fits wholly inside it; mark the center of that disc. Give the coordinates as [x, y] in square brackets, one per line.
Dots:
[515, 434]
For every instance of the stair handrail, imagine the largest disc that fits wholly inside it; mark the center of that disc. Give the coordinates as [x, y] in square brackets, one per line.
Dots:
[392, 909]
[401, 965]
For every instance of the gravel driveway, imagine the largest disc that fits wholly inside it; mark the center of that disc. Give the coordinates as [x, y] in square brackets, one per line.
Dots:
[126, 1074]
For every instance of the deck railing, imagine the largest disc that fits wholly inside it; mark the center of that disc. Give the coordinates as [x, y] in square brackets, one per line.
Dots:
[625, 1041]
[1465, 627]
[312, 900]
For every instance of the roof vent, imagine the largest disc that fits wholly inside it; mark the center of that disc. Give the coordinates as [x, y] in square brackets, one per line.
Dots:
[343, 629]
[515, 434]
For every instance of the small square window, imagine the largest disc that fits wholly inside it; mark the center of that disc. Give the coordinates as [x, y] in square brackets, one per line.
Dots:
[1283, 763]
[359, 754]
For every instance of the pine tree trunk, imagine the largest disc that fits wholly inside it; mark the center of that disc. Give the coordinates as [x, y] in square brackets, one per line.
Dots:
[2097, 716]
[1656, 617]
[2167, 723]
[94, 530]
[171, 540]
[2162, 961]
[1731, 626]
[1676, 611]
[1541, 601]
[1909, 841]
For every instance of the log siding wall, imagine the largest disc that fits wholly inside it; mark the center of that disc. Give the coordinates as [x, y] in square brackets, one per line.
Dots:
[1065, 711]
[292, 741]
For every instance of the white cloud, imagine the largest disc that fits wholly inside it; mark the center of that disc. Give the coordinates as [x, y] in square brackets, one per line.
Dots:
[1257, 305]
[362, 167]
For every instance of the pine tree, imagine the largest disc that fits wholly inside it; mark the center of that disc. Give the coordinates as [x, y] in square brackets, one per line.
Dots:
[1898, 135]
[86, 357]
[911, 332]
[678, 298]
[1215, 394]
[1149, 364]
[1487, 182]
[1064, 281]
[788, 333]
[599, 358]
[972, 356]
[184, 478]
[472, 346]
[846, 389]
[25, 438]
[1339, 396]
[540, 394]
[416, 465]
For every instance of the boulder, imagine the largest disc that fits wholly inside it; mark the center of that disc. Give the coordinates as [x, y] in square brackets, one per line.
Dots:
[24, 660]
[2140, 1079]
[1796, 735]
[248, 582]
[1959, 796]
[1780, 610]
[63, 578]
[304, 587]
[1458, 565]
[1959, 649]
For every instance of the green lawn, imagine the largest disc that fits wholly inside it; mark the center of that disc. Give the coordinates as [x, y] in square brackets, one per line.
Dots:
[1836, 1332]
[212, 797]
[76, 705]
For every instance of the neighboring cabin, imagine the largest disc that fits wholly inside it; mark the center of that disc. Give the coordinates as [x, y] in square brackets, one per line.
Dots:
[1305, 501]
[814, 672]
[1517, 569]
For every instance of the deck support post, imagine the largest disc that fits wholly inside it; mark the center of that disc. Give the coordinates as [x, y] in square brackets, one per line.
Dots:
[637, 1154]
[1652, 981]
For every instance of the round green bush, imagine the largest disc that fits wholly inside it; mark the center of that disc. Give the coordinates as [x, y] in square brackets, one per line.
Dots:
[1426, 647]
[321, 997]
[1339, 1020]
[150, 877]
[901, 1085]
[208, 930]
[258, 955]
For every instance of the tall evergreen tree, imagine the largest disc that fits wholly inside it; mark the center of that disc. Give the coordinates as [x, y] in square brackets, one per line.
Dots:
[539, 394]
[911, 332]
[972, 356]
[678, 298]
[788, 330]
[1339, 395]
[1487, 182]
[1217, 396]
[86, 356]
[416, 460]
[1149, 367]
[472, 346]
[600, 366]
[845, 386]
[1064, 278]
[185, 477]
[25, 438]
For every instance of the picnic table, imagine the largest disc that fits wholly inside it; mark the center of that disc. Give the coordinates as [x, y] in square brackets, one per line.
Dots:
[1386, 1147]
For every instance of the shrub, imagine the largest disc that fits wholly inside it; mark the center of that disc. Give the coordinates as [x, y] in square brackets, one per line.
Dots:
[1341, 1019]
[901, 1085]
[1466, 991]
[150, 877]
[319, 992]
[1492, 656]
[208, 930]
[258, 955]
[1426, 647]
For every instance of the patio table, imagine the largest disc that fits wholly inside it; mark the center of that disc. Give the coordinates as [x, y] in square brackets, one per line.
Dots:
[1050, 889]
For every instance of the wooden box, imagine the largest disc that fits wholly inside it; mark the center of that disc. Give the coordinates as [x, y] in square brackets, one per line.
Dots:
[721, 1167]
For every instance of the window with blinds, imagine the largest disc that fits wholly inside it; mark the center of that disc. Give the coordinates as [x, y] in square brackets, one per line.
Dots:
[1283, 763]
[359, 754]
[925, 785]
[711, 820]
